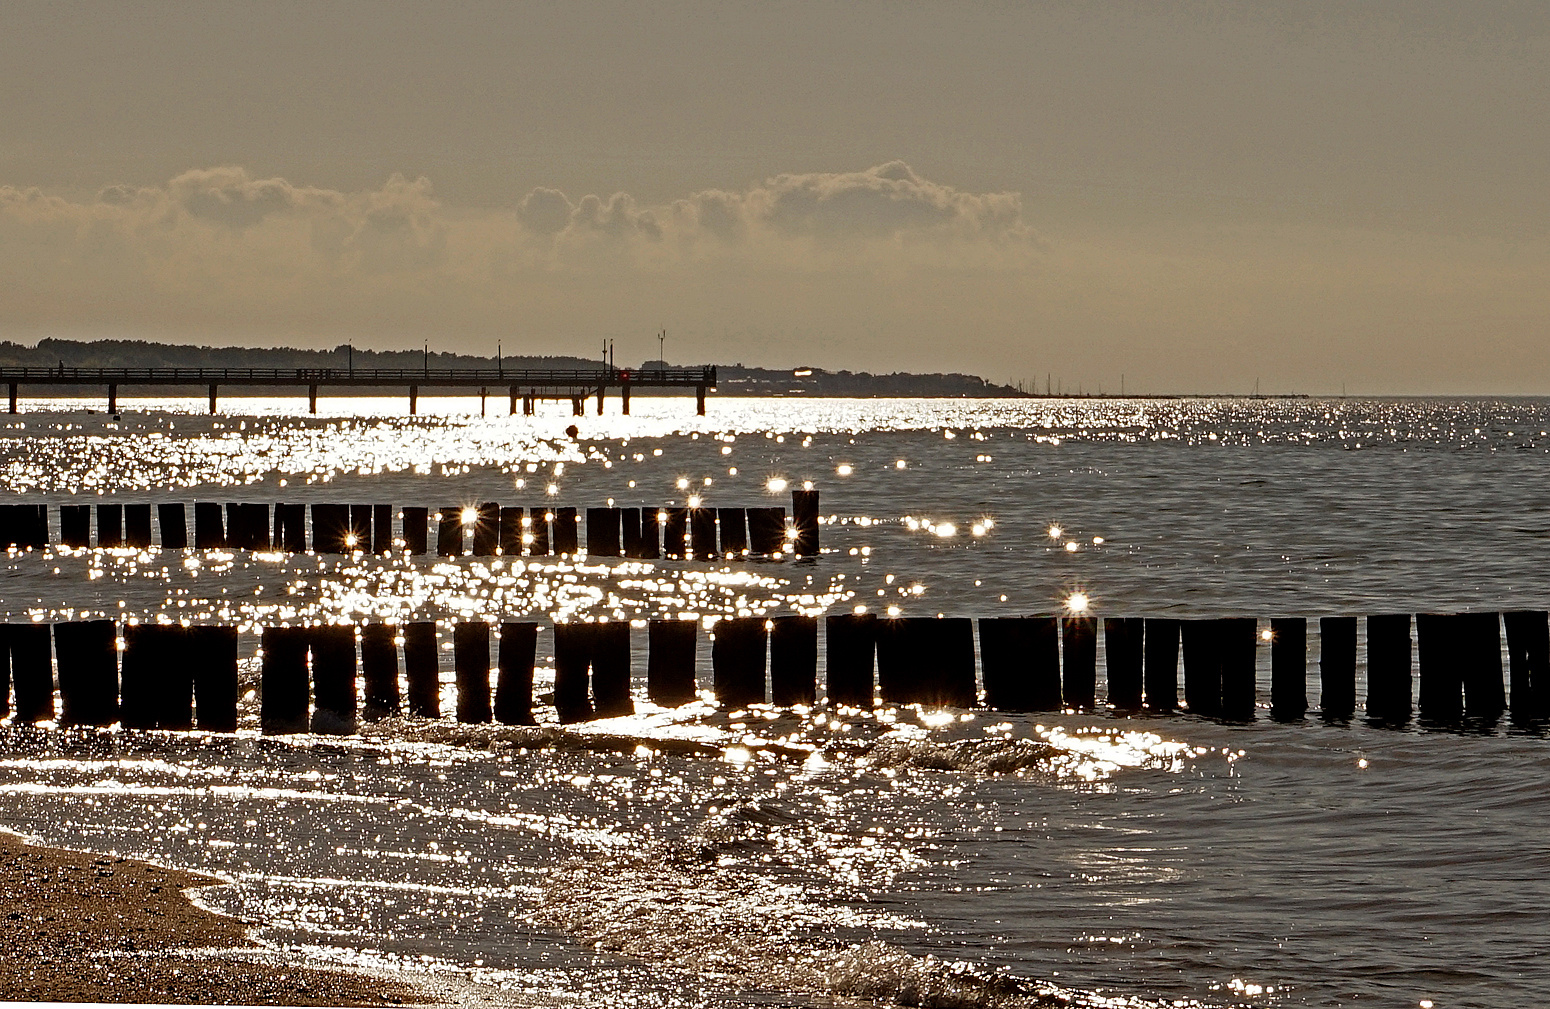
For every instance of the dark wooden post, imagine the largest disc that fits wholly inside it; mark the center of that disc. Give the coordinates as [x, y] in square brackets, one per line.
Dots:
[670, 661]
[1288, 668]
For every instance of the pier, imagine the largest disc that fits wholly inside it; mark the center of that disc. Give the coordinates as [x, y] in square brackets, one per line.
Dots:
[524, 386]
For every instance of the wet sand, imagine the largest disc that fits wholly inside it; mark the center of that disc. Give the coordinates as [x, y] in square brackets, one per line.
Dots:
[78, 927]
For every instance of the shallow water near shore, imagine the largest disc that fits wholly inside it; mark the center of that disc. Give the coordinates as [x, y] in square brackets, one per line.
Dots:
[815, 857]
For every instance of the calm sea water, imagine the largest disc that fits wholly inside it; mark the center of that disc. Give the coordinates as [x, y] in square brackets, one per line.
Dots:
[822, 857]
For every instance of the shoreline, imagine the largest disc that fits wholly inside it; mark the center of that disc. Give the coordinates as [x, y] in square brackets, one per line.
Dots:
[82, 927]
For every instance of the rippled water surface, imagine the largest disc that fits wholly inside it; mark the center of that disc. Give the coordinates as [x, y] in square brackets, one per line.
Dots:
[692, 857]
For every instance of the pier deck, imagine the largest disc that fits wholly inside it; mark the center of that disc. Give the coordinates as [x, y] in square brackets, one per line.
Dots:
[526, 385]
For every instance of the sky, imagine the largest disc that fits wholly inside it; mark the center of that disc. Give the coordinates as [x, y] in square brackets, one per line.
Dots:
[1176, 196]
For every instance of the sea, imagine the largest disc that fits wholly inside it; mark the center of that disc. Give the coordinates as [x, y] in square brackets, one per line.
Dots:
[832, 856]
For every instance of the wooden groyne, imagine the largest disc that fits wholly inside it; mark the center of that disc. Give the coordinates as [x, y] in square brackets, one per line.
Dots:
[524, 385]
[487, 529]
[326, 678]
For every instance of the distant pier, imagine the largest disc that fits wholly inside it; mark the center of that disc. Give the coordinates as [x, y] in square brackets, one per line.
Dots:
[522, 385]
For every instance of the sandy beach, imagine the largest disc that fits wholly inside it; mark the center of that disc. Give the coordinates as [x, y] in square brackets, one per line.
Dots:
[78, 927]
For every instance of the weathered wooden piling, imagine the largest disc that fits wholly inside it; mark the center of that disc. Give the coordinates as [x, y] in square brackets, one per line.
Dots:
[173, 522]
[24, 526]
[1485, 697]
[1236, 648]
[850, 649]
[449, 532]
[804, 514]
[137, 526]
[1440, 693]
[572, 660]
[1079, 662]
[1388, 668]
[1528, 659]
[566, 534]
[897, 658]
[511, 531]
[255, 525]
[794, 660]
[330, 526]
[381, 529]
[212, 657]
[379, 672]
[1162, 663]
[516, 655]
[603, 526]
[702, 532]
[1202, 667]
[75, 525]
[333, 679]
[361, 521]
[1337, 667]
[766, 531]
[284, 697]
[487, 529]
[674, 532]
[733, 525]
[209, 534]
[471, 663]
[1288, 668]
[152, 653]
[86, 652]
[925, 660]
[1124, 641]
[538, 529]
[948, 678]
[416, 530]
[237, 533]
[611, 670]
[422, 669]
[737, 659]
[32, 674]
[1020, 663]
[110, 525]
[670, 661]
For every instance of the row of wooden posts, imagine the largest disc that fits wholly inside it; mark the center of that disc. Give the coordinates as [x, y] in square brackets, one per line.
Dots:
[495, 529]
[322, 678]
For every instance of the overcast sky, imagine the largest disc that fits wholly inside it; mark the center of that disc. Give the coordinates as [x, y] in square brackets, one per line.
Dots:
[1194, 195]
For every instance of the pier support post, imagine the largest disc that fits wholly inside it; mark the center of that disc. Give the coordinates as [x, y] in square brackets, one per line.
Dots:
[794, 660]
[471, 662]
[416, 530]
[1122, 648]
[600, 390]
[1528, 654]
[1289, 668]
[212, 398]
[514, 662]
[112, 399]
[333, 679]
[1020, 663]
[414, 400]
[572, 660]
[850, 645]
[611, 670]
[1236, 648]
[483, 393]
[804, 515]
[513, 391]
[212, 652]
[1079, 665]
[1162, 663]
[528, 403]
[624, 397]
[1388, 668]
[283, 698]
[312, 398]
[1337, 667]
[575, 406]
[13, 397]
[379, 672]
[737, 661]
[1202, 667]
[670, 661]
[699, 400]
[88, 672]
[421, 669]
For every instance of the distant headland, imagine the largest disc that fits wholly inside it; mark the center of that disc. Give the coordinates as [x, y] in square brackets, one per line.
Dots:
[734, 379]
